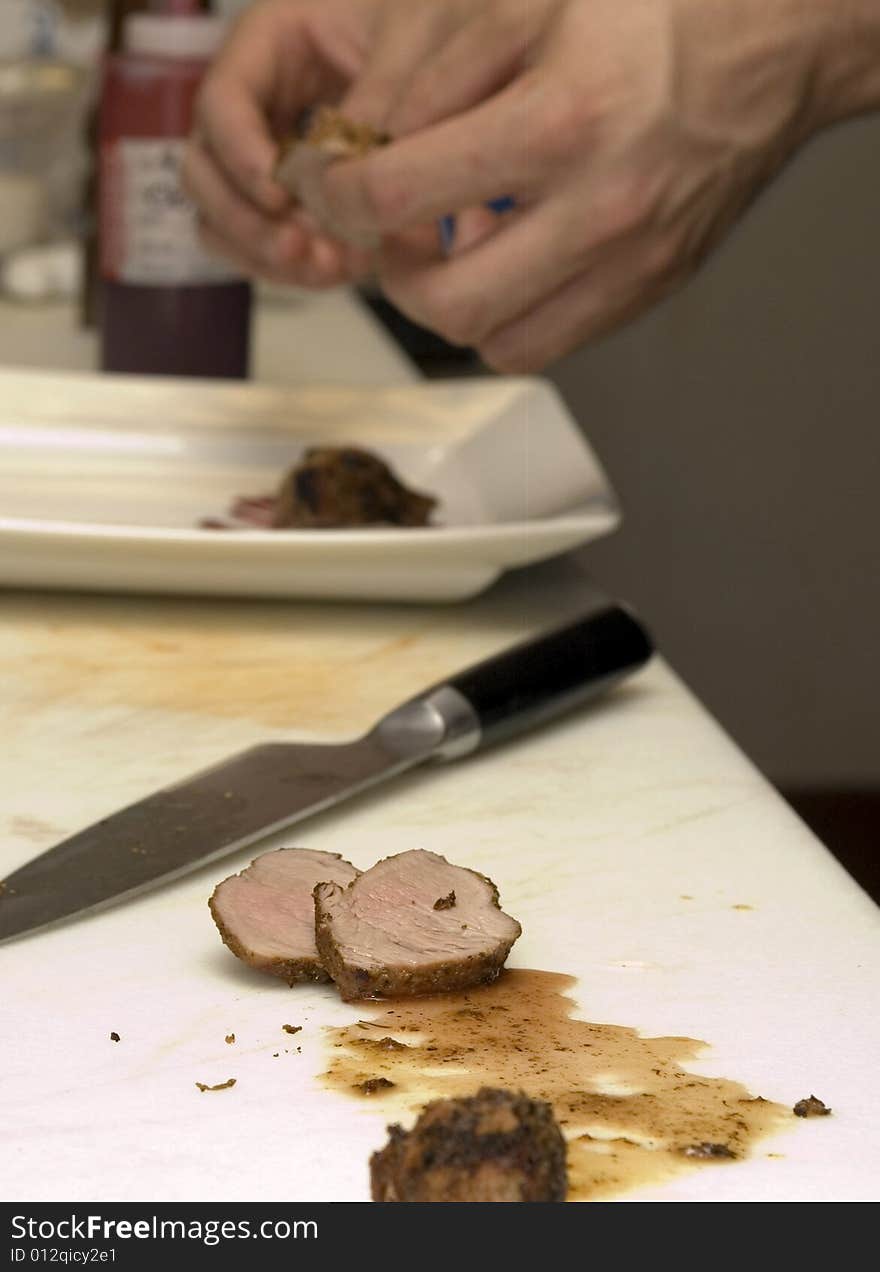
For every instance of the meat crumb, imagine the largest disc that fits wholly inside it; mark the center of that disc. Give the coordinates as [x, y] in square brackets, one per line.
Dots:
[292, 1029]
[371, 1085]
[230, 1038]
[114, 1037]
[708, 1151]
[811, 1107]
[445, 903]
[220, 1086]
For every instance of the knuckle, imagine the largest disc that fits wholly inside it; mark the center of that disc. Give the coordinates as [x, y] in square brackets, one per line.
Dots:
[625, 208]
[424, 100]
[559, 122]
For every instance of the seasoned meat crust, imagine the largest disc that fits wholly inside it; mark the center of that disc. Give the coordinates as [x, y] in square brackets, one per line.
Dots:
[341, 136]
[330, 136]
[266, 914]
[496, 1145]
[383, 935]
[811, 1107]
[338, 486]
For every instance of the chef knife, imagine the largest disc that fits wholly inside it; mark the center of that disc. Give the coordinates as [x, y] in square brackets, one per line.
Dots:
[269, 787]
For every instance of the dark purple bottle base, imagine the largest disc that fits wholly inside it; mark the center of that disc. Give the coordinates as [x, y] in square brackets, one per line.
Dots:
[198, 330]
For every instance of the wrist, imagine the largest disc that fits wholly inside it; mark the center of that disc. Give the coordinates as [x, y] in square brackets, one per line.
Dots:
[847, 68]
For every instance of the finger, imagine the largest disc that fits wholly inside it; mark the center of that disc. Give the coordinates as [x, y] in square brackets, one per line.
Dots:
[232, 127]
[472, 226]
[594, 303]
[268, 68]
[402, 46]
[484, 154]
[263, 239]
[475, 61]
[503, 273]
[233, 253]
[357, 261]
[323, 265]
[330, 263]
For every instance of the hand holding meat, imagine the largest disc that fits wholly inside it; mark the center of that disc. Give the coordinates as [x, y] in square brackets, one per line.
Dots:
[631, 134]
[282, 57]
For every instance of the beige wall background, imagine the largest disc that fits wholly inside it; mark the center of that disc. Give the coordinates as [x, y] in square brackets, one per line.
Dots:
[740, 425]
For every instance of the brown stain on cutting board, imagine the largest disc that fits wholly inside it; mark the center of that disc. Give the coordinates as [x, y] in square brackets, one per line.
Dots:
[633, 1116]
[324, 668]
[330, 669]
[35, 830]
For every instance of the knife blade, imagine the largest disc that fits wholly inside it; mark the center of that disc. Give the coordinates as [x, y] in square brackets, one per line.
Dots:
[270, 787]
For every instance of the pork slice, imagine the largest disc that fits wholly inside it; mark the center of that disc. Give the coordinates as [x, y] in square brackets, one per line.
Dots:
[412, 924]
[266, 914]
[497, 1145]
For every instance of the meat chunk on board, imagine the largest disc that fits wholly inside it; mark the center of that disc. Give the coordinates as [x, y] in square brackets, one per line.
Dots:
[497, 1145]
[384, 935]
[266, 914]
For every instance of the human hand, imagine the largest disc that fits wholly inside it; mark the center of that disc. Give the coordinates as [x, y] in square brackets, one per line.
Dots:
[631, 133]
[281, 57]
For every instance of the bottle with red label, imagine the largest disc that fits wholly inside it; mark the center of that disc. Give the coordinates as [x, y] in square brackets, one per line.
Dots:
[168, 308]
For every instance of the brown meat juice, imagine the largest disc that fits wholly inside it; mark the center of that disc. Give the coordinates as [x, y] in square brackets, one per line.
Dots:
[633, 1116]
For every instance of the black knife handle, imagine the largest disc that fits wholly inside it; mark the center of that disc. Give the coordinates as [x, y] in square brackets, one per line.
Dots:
[544, 677]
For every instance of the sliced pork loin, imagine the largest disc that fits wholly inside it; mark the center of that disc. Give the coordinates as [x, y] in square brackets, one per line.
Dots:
[266, 914]
[412, 924]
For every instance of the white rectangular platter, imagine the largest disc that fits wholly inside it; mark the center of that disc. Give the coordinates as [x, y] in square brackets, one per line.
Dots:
[104, 481]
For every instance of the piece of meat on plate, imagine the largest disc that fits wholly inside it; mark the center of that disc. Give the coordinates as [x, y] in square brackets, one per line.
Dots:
[333, 487]
[497, 1145]
[412, 924]
[266, 914]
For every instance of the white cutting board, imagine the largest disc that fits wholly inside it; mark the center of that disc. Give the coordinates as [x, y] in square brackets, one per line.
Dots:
[594, 830]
